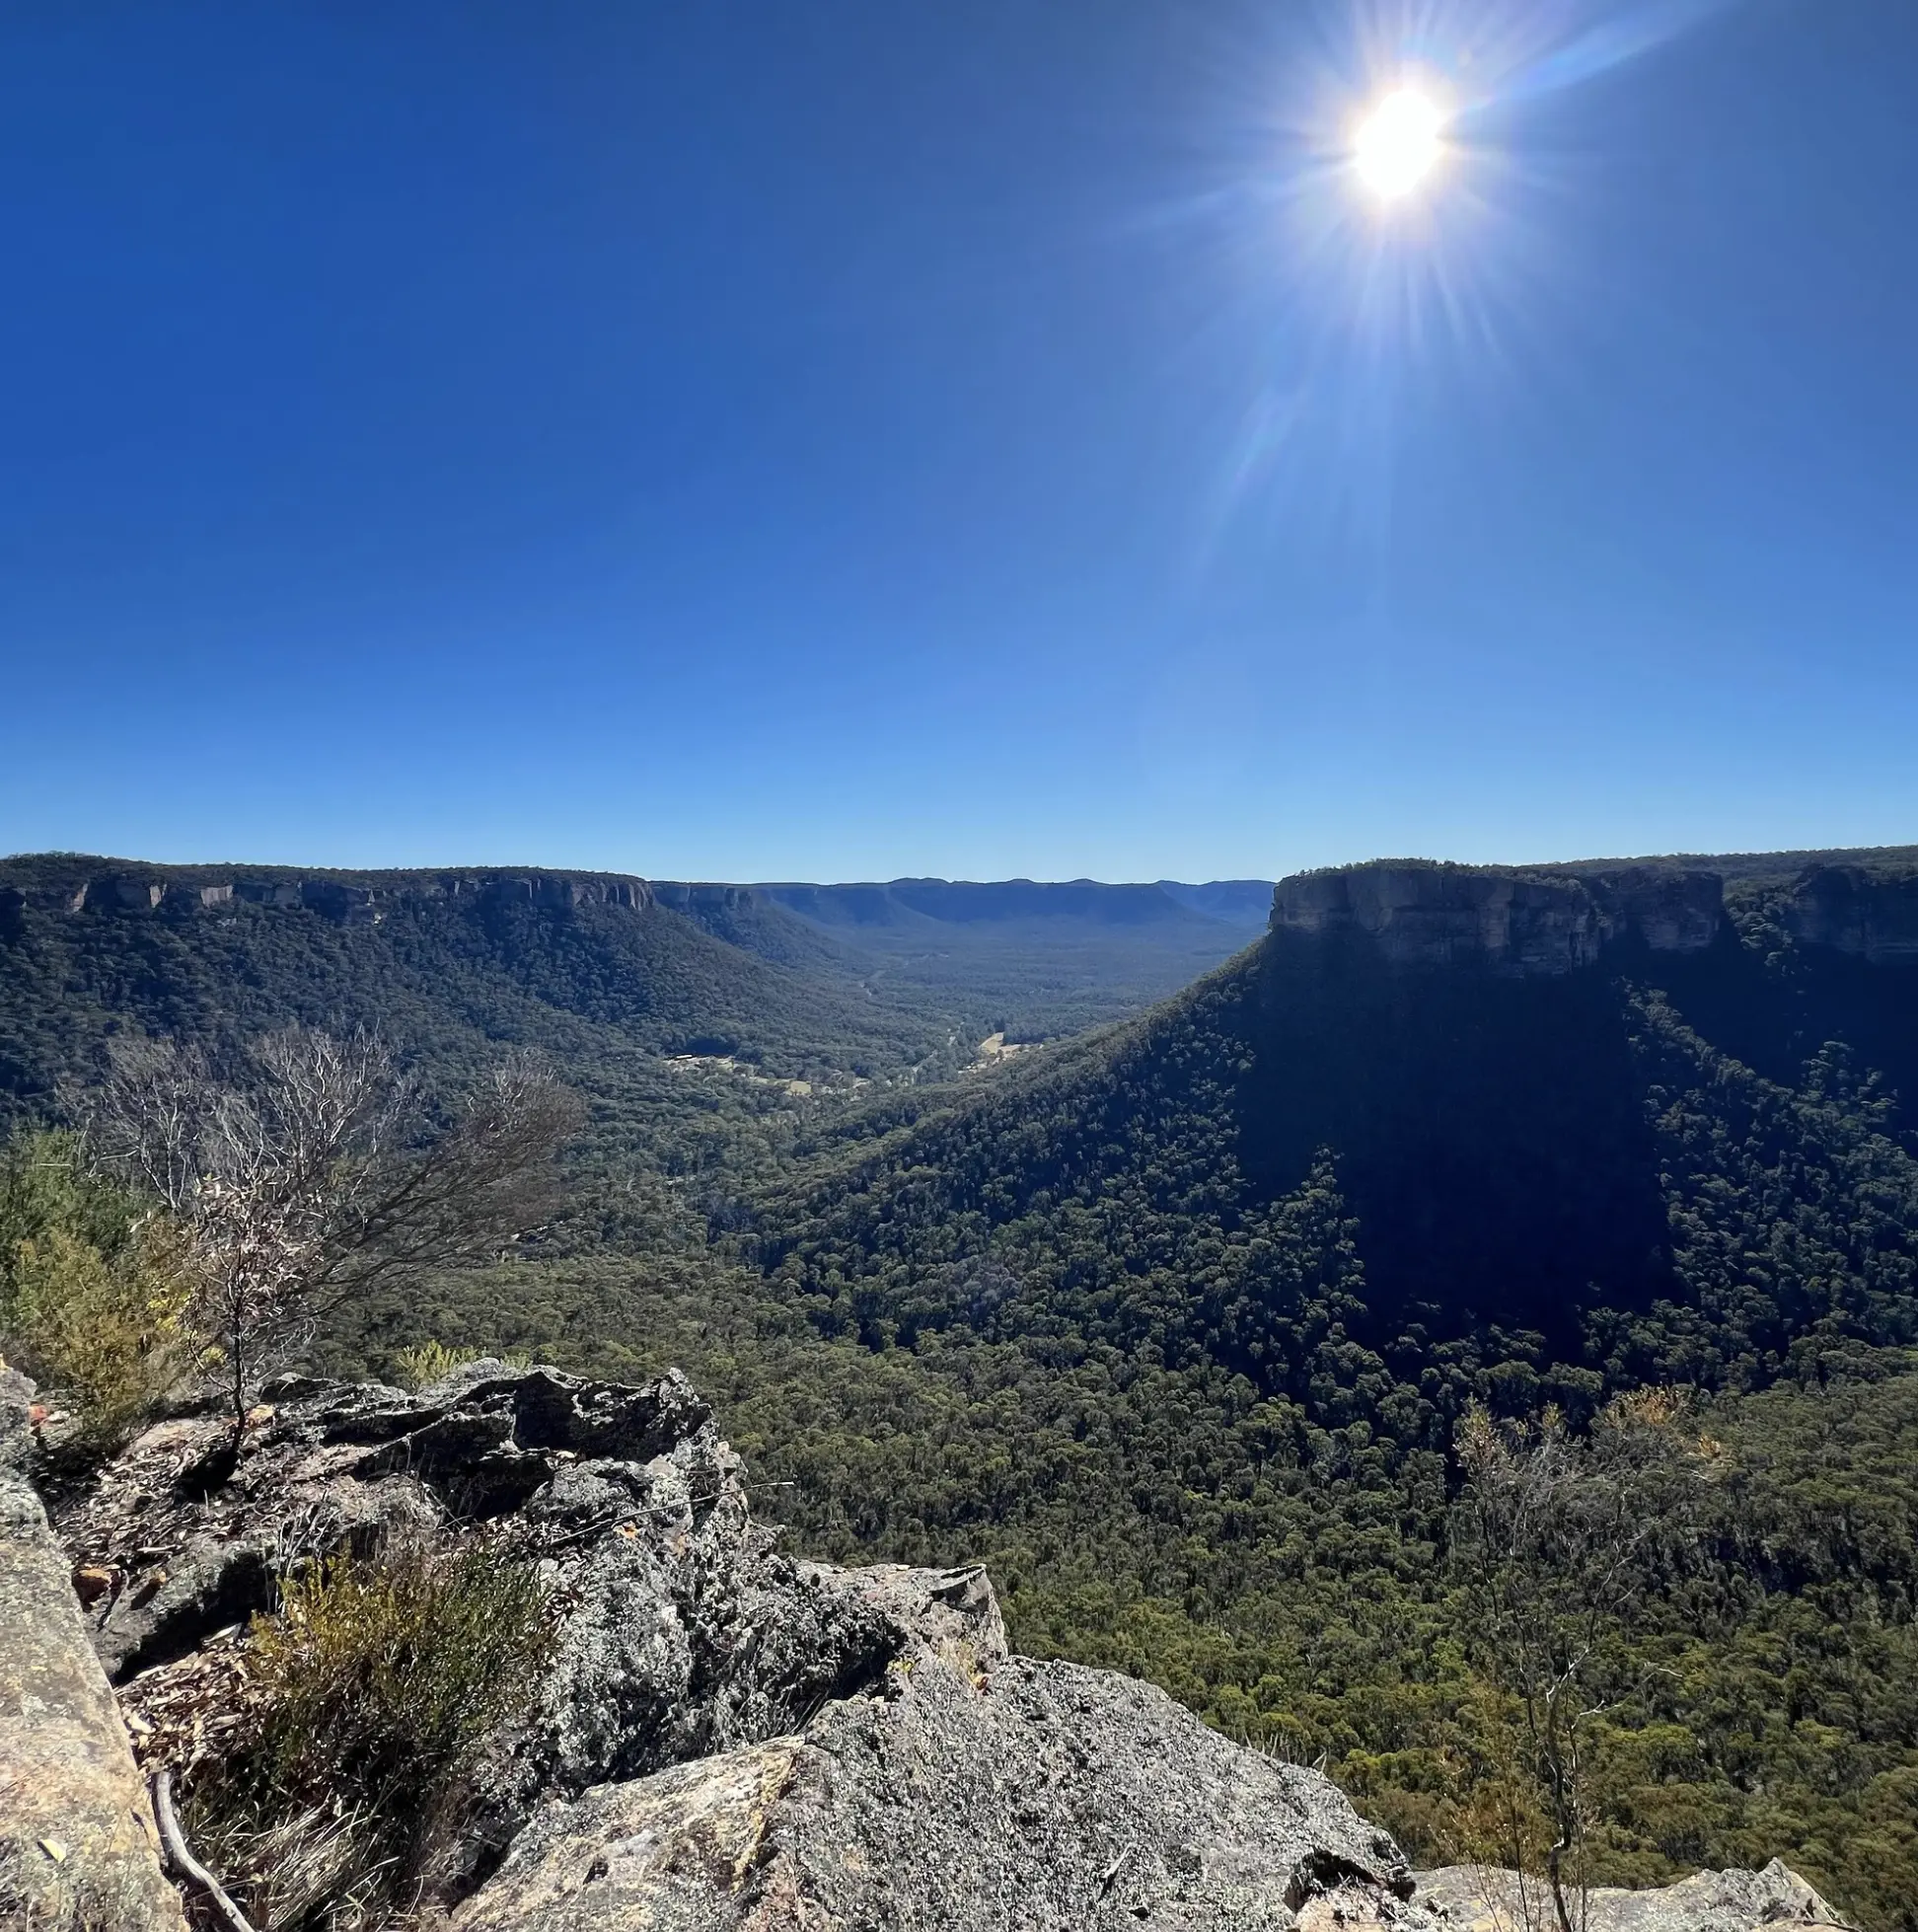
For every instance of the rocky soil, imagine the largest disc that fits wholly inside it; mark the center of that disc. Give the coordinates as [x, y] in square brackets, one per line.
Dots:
[727, 1738]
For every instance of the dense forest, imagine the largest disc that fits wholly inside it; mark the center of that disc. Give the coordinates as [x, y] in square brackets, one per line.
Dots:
[1176, 1325]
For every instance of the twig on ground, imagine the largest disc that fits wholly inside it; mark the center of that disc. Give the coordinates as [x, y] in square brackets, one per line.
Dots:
[184, 1864]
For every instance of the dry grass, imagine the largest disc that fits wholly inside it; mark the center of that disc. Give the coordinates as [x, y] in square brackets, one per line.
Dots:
[377, 1684]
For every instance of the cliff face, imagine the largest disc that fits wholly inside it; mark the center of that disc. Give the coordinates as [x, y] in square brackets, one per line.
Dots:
[363, 900]
[685, 898]
[1515, 921]
[1872, 913]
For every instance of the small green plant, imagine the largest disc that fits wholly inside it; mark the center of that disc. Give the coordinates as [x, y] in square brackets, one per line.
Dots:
[388, 1670]
[425, 1363]
[94, 1287]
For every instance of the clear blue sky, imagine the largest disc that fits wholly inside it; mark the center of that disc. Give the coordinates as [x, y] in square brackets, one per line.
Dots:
[853, 438]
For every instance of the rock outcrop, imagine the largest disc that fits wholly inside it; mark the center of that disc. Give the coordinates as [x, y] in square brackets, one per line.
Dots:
[725, 1738]
[683, 897]
[733, 1735]
[1477, 1899]
[1512, 921]
[966, 1792]
[78, 1847]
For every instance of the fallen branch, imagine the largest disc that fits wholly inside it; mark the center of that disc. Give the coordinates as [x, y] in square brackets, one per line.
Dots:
[184, 1864]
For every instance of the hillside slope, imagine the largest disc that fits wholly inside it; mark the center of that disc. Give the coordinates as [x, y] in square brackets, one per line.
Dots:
[504, 955]
[1689, 1155]
[1176, 1327]
[582, 965]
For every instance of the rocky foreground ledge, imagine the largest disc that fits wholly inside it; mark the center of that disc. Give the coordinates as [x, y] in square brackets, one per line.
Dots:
[728, 1738]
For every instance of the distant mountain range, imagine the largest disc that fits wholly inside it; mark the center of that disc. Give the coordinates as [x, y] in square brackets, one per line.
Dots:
[924, 906]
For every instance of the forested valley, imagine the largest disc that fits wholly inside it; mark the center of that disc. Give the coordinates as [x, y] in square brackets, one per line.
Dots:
[1179, 1324]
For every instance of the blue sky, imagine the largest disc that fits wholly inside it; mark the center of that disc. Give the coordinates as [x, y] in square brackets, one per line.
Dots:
[763, 440]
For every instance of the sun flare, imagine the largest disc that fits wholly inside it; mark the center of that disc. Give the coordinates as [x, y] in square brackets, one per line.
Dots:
[1397, 144]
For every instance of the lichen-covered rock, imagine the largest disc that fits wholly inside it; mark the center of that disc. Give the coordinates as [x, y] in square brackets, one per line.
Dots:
[685, 1631]
[1481, 1900]
[1014, 1794]
[189, 1527]
[77, 1841]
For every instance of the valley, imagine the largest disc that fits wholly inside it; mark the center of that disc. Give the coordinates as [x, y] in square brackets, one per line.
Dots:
[1174, 1321]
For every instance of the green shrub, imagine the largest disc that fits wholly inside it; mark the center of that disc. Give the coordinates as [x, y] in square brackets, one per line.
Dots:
[94, 1288]
[426, 1362]
[388, 1670]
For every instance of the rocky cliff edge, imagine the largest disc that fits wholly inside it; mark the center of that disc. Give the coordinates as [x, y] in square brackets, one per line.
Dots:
[726, 1737]
[1529, 921]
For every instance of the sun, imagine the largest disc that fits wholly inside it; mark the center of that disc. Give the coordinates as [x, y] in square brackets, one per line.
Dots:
[1397, 144]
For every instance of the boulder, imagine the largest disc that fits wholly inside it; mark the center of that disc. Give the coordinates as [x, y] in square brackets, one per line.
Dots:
[1004, 1793]
[78, 1846]
[1478, 1899]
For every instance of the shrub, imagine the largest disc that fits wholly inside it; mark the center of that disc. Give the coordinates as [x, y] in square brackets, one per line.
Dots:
[94, 1289]
[109, 1334]
[390, 1670]
[424, 1364]
[375, 1685]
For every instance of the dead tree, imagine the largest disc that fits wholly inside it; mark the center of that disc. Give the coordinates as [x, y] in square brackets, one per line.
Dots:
[1558, 1537]
[314, 1176]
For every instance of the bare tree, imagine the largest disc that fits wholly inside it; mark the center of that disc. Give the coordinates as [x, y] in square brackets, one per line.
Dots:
[315, 1176]
[1557, 1538]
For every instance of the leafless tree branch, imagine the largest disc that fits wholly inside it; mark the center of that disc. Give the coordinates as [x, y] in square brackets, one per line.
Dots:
[316, 1176]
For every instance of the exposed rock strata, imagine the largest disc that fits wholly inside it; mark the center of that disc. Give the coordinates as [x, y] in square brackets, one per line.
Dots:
[685, 898]
[348, 902]
[77, 1839]
[1854, 910]
[1515, 921]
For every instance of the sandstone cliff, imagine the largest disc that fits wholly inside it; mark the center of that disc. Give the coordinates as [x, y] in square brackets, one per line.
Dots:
[1856, 910]
[1514, 921]
[362, 900]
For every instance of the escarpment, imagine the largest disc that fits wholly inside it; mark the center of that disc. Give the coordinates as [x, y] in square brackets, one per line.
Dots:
[1514, 921]
[353, 899]
[1852, 909]
[1527, 921]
